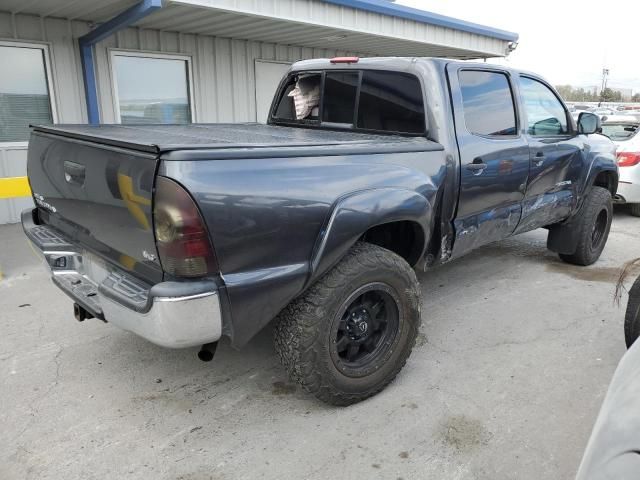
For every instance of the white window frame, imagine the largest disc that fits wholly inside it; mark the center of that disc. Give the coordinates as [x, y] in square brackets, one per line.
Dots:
[44, 47]
[115, 52]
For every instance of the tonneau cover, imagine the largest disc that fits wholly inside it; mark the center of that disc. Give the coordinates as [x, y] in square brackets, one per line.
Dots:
[164, 138]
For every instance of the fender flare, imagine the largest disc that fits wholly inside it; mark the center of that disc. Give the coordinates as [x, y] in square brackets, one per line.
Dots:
[563, 237]
[598, 166]
[355, 213]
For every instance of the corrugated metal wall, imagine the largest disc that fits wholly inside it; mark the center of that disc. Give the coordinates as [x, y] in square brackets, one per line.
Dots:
[13, 163]
[223, 69]
[223, 75]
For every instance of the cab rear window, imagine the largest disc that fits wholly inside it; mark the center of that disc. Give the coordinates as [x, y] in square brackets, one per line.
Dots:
[367, 100]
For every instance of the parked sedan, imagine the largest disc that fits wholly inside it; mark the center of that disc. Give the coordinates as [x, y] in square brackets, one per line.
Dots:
[623, 130]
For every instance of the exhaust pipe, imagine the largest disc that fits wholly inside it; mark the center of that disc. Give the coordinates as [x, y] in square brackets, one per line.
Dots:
[207, 351]
[80, 313]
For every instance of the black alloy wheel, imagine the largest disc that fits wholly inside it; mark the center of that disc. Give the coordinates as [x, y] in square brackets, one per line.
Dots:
[365, 328]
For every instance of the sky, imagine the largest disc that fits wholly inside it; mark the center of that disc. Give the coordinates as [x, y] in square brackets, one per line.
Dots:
[565, 41]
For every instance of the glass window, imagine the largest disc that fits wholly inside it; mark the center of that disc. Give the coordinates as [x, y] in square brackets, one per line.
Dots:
[24, 92]
[619, 131]
[389, 101]
[340, 90]
[545, 114]
[152, 89]
[300, 99]
[488, 103]
[392, 102]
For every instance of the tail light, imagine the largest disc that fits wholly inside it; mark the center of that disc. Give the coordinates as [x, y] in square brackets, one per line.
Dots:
[181, 237]
[628, 159]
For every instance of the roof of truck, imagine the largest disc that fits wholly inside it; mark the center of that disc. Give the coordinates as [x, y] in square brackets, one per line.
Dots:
[218, 136]
[401, 64]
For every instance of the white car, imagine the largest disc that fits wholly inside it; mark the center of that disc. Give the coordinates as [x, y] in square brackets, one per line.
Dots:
[623, 130]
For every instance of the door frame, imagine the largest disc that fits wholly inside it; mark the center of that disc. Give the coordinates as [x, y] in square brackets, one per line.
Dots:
[255, 80]
[461, 130]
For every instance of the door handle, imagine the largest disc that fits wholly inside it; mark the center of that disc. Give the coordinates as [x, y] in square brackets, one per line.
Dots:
[74, 173]
[477, 166]
[538, 160]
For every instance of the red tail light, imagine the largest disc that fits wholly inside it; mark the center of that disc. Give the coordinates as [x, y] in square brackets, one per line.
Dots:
[345, 60]
[181, 237]
[628, 159]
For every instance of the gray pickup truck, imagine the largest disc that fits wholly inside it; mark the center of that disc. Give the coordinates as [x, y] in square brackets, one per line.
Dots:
[366, 170]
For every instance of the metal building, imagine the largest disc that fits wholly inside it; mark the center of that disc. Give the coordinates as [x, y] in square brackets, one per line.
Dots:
[172, 61]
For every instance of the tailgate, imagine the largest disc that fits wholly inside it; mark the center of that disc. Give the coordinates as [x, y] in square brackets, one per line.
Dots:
[98, 197]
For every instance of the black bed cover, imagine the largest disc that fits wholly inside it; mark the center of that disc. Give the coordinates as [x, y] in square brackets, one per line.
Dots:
[166, 138]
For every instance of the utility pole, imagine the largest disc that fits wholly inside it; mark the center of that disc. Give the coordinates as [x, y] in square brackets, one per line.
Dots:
[605, 74]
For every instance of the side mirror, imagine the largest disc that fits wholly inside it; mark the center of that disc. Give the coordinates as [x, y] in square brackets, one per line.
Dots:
[589, 123]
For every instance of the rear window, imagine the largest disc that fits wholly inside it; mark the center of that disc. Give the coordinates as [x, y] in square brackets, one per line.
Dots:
[619, 131]
[340, 92]
[368, 100]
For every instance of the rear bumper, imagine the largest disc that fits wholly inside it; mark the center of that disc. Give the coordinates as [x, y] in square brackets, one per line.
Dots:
[170, 314]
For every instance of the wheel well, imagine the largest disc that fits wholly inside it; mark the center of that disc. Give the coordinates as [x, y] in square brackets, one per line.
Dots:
[606, 180]
[405, 238]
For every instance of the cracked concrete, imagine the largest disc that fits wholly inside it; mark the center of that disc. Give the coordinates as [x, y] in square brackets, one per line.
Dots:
[513, 360]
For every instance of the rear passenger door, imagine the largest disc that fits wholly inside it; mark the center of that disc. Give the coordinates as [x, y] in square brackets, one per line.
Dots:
[494, 156]
[556, 156]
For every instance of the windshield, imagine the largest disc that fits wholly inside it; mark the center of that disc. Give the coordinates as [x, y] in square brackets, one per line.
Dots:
[619, 131]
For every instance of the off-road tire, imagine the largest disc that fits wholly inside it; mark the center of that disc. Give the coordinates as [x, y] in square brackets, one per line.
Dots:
[597, 201]
[635, 209]
[632, 317]
[303, 338]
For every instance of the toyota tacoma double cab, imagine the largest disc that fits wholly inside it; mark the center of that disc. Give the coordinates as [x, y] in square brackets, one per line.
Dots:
[366, 171]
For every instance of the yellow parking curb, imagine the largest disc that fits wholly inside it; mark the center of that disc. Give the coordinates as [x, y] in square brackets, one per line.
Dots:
[13, 187]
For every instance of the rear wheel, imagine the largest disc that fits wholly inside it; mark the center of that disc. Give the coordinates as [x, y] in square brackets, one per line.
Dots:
[593, 225]
[352, 332]
[632, 317]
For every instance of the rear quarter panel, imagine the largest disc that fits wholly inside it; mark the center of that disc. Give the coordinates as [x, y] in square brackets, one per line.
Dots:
[267, 216]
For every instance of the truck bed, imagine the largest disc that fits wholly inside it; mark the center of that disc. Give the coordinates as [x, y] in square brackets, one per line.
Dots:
[164, 138]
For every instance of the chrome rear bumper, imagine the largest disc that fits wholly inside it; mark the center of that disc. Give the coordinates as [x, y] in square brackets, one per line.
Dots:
[170, 314]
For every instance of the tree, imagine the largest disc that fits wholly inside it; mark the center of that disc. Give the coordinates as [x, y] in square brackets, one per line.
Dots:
[571, 94]
[566, 92]
[608, 95]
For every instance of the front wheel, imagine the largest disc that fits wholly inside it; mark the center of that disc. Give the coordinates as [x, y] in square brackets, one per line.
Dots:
[592, 227]
[351, 333]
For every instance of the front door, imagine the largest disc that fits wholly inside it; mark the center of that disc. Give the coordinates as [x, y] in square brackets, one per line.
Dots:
[556, 156]
[494, 156]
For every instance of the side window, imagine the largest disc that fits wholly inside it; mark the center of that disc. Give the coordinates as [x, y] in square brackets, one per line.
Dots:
[340, 90]
[488, 103]
[545, 113]
[24, 91]
[391, 102]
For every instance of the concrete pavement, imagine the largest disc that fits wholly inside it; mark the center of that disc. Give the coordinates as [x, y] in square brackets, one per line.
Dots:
[514, 358]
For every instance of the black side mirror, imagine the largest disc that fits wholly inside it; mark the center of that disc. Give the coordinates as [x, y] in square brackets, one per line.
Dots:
[589, 123]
